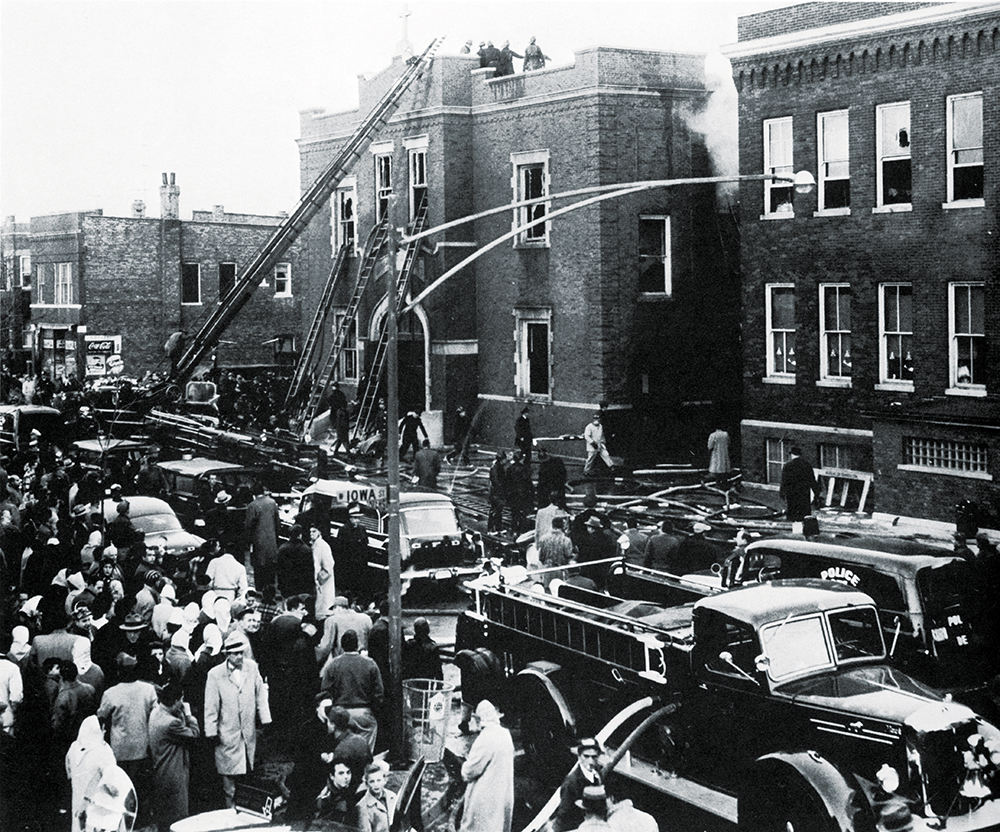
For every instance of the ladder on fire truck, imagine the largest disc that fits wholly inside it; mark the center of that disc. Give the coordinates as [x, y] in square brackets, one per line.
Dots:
[368, 392]
[373, 252]
[305, 362]
[292, 226]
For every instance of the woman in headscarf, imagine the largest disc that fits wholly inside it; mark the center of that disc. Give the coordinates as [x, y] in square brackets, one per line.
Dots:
[489, 773]
[88, 759]
[88, 672]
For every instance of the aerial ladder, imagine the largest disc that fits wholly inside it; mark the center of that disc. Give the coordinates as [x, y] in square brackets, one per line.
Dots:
[368, 393]
[374, 248]
[207, 337]
[306, 361]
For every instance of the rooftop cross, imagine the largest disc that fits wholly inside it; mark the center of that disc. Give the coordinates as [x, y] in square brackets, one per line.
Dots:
[404, 47]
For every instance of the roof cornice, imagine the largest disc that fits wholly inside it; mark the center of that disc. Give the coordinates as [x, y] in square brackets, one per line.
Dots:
[950, 12]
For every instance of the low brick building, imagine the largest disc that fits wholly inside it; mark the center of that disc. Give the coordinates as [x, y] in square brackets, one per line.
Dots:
[871, 308]
[630, 304]
[103, 286]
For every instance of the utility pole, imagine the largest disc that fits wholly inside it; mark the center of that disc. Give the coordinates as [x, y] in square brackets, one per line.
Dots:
[394, 688]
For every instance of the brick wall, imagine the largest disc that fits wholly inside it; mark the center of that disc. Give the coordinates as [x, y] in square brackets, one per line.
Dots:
[928, 246]
[601, 333]
[811, 15]
[140, 259]
[931, 494]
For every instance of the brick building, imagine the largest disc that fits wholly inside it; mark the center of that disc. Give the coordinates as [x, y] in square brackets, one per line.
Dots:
[103, 286]
[15, 294]
[871, 308]
[630, 302]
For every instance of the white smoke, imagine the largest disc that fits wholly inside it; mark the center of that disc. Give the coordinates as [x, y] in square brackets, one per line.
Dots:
[718, 122]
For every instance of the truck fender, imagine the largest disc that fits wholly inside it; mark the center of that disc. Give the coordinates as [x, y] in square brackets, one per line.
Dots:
[809, 770]
[538, 673]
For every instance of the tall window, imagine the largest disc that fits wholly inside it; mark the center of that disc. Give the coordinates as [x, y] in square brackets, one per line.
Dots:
[654, 256]
[835, 331]
[968, 334]
[965, 147]
[283, 280]
[343, 219]
[896, 341]
[64, 283]
[227, 279]
[781, 330]
[778, 161]
[383, 185]
[418, 177]
[894, 173]
[190, 283]
[834, 161]
[25, 271]
[777, 456]
[348, 363]
[534, 328]
[531, 181]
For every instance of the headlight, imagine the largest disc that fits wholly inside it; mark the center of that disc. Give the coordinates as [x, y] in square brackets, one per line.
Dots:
[888, 778]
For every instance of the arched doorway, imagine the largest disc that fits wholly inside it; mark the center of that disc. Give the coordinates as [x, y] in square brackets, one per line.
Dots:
[414, 356]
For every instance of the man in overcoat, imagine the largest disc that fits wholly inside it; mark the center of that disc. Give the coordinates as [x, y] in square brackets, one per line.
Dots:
[234, 697]
[172, 731]
[798, 484]
[489, 772]
[262, 526]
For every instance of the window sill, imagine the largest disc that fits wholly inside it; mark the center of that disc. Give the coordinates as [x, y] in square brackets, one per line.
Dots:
[972, 392]
[537, 398]
[778, 380]
[645, 297]
[963, 203]
[834, 382]
[529, 244]
[283, 296]
[898, 208]
[191, 303]
[948, 472]
[832, 212]
[781, 215]
[895, 386]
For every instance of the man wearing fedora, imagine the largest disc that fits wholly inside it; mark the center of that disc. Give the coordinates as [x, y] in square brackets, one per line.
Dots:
[586, 773]
[221, 521]
[235, 696]
[351, 562]
[125, 708]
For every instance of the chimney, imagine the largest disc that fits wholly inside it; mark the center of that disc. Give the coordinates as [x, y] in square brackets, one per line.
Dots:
[218, 213]
[170, 198]
[138, 208]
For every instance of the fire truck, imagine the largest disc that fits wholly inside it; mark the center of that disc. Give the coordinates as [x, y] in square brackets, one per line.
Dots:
[774, 707]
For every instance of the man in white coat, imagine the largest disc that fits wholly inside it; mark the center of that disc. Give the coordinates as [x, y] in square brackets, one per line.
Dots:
[235, 696]
[593, 437]
[489, 772]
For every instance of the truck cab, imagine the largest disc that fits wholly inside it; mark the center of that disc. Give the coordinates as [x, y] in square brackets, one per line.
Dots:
[936, 610]
[776, 708]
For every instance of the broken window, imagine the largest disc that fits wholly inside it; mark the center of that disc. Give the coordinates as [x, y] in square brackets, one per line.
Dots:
[190, 283]
[894, 168]
[654, 256]
[778, 161]
[227, 278]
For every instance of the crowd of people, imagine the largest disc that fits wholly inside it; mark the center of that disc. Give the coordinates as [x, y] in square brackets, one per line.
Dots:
[119, 661]
[502, 60]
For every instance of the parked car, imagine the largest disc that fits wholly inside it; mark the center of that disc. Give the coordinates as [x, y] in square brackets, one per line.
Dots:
[193, 483]
[156, 519]
[434, 549]
[122, 457]
[18, 420]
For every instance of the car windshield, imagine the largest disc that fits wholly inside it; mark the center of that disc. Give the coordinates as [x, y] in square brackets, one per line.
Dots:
[856, 634]
[154, 523]
[794, 646]
[429, 521]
